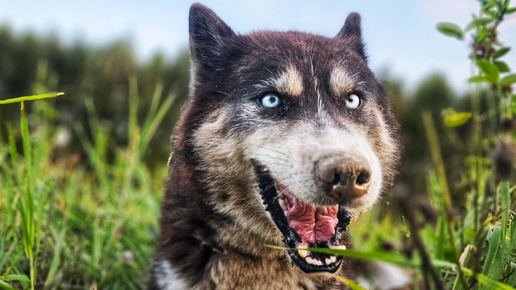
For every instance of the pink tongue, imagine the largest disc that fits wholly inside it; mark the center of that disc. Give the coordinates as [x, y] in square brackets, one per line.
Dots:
[313, 224]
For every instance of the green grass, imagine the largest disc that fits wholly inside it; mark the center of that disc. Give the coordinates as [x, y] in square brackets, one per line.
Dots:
[476, 249]
[81, 222]
[90, 220]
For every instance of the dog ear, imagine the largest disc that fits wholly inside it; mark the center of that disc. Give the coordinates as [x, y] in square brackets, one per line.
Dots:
[352, 32]
[207, 34]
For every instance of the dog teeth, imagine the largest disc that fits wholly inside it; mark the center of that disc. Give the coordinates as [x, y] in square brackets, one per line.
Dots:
[339, 247]
[302, 250]
[330, 260]
[313, 261]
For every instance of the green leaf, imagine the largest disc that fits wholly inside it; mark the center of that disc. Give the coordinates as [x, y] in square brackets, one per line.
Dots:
[477, 22]
[513, 109]
[505, 200]
[512, 277]
[12, 144]
[510, 11]
[487, 7]
[28, 203]
[454, 119]
[491, 13]
[469, 227]
[350, 283]
[508, 80]
[494, 262]
[389, 257]
[441, 238]
[478, 79]
[6, 286]
[450, 29]
[16, 277]
[501, 52]
[482, 33]
[502, 66]
[490, 70]
[491, 284]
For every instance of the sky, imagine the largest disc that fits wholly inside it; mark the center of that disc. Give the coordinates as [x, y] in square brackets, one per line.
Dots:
[400, 36]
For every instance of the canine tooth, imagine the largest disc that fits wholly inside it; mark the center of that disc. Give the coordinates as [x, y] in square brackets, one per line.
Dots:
[282, 203]
[339, 247]
[302, 250]
[303, 253]
[330, 260]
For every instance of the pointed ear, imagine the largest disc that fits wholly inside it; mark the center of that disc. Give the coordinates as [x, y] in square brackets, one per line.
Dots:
[207, 34]
[352, 31]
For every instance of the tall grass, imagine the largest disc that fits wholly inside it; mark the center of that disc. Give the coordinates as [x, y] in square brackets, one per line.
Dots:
[86, 222]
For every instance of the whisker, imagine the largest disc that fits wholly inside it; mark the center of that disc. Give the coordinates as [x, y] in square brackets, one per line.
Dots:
[221, 92]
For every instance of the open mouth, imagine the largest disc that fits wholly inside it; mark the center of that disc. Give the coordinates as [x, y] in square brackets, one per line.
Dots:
[304, 225]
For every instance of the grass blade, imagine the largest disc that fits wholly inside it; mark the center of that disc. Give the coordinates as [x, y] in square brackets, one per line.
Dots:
[28, 200]
[148, 132]
[493, 265]
[350, 283]
[30, 98]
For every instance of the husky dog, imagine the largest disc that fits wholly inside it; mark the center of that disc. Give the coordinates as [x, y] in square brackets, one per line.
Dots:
[286, 136]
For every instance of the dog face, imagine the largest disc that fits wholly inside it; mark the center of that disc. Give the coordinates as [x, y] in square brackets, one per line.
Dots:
[291, 132]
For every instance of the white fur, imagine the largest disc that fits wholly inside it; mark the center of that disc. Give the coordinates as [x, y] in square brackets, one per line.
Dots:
[166, 277]
[387, 277]
[290, 154]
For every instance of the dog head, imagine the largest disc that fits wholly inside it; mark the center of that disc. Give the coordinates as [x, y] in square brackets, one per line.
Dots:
[291, 130]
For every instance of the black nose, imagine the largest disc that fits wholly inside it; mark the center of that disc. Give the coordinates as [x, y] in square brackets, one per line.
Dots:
[343, 177]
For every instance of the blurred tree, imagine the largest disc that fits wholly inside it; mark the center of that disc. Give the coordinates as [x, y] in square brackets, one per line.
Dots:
[84, 72]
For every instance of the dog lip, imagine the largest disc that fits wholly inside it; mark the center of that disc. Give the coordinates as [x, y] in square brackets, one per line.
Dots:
[308, 262]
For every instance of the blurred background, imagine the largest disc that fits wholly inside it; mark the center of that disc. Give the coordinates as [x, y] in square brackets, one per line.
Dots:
[107, 56]
[90, 49]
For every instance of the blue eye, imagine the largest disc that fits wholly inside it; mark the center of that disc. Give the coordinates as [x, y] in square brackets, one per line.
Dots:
[270, 101]
[353, 101]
